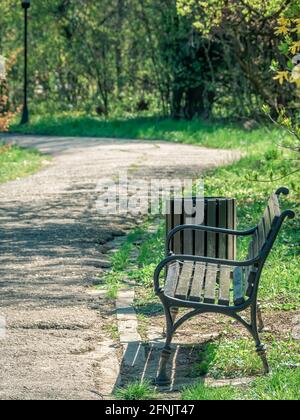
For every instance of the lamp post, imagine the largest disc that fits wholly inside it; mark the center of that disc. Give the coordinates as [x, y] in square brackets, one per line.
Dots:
[25, 116]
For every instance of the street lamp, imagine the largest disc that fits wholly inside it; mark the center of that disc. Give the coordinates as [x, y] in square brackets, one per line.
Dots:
[25, 116]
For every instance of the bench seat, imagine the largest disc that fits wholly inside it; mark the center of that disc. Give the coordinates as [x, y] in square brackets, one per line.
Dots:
[207, 283]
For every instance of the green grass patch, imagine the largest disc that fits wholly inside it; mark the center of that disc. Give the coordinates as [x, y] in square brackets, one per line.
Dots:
[211, 134]
[16, 162]
[201, 392]
[281, 385]
[237, 357]
[113, 331]
[136, 391]
[140, 270]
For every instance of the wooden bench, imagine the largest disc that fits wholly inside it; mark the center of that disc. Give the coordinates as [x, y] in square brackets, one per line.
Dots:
[214, 285]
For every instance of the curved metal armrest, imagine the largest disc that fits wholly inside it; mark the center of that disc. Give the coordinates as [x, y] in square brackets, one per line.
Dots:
[192, 258]
[208, 229]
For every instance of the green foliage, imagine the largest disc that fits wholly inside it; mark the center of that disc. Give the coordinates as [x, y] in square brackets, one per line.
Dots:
[185, 58]
[120, 258]
[201, 392]
[16, 162]
[281, 385]
[288, 117]
[210, 134]
[136, 391]
[237, 358]
[237, 28]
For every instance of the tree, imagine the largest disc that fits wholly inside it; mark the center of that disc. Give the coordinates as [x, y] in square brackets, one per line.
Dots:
[288, 30]
[184, 58]
[6, 114]
[244, 31]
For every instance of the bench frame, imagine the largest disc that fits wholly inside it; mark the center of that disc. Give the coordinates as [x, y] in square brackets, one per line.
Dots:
[171, 305]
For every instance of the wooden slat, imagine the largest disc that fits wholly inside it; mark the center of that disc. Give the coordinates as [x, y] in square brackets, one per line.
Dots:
[251, 255]
[268, 221]
[274, 205]
[252, 249]
[178, 220]
[238, 286]
[234, 227]
[225, 282]
[271, 210]
[255, 245]
[169, 220]
[200, 237]
[184, 282]
[210, 284]
[172, 279]
[188, 235]
[211, 221]
[261, 234]
[222, 252]
[230, 218]
[200, 243]
[198, 282]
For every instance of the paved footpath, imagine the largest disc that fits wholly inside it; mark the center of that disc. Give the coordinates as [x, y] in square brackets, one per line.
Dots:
[52, 247]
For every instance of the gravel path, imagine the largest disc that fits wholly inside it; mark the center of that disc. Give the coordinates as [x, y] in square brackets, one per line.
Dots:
[52, 247]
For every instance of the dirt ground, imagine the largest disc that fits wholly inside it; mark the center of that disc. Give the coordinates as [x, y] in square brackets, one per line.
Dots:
[52, 248]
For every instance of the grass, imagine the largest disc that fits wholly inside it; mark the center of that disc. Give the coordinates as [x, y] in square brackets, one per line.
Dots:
[136, 391]
[211, 134]
[201, 392]
[16, 162]
[113, 331]
[279, 386]
[122, 267]
[232, 358]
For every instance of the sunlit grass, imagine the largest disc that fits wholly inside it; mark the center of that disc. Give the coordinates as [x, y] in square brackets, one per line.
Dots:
[281, 385]
[136, 391]
[201, 392]
[16, 162]
[232, 358]
[211, 134]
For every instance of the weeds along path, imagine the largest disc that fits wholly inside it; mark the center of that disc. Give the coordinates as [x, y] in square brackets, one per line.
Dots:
[52, 247]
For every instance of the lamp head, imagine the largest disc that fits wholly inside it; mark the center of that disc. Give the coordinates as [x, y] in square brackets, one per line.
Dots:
[25, 4]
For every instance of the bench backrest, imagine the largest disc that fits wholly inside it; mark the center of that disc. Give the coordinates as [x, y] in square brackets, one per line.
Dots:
[264, 237]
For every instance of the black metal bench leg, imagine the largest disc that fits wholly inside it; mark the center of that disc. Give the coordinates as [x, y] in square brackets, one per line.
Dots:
[174, 312]
[262, 353]
[163, 378]
[261, 325]
[260, 348]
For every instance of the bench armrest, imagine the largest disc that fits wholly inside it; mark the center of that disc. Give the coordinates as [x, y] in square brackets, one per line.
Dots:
[207, 229]
[206, 260]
